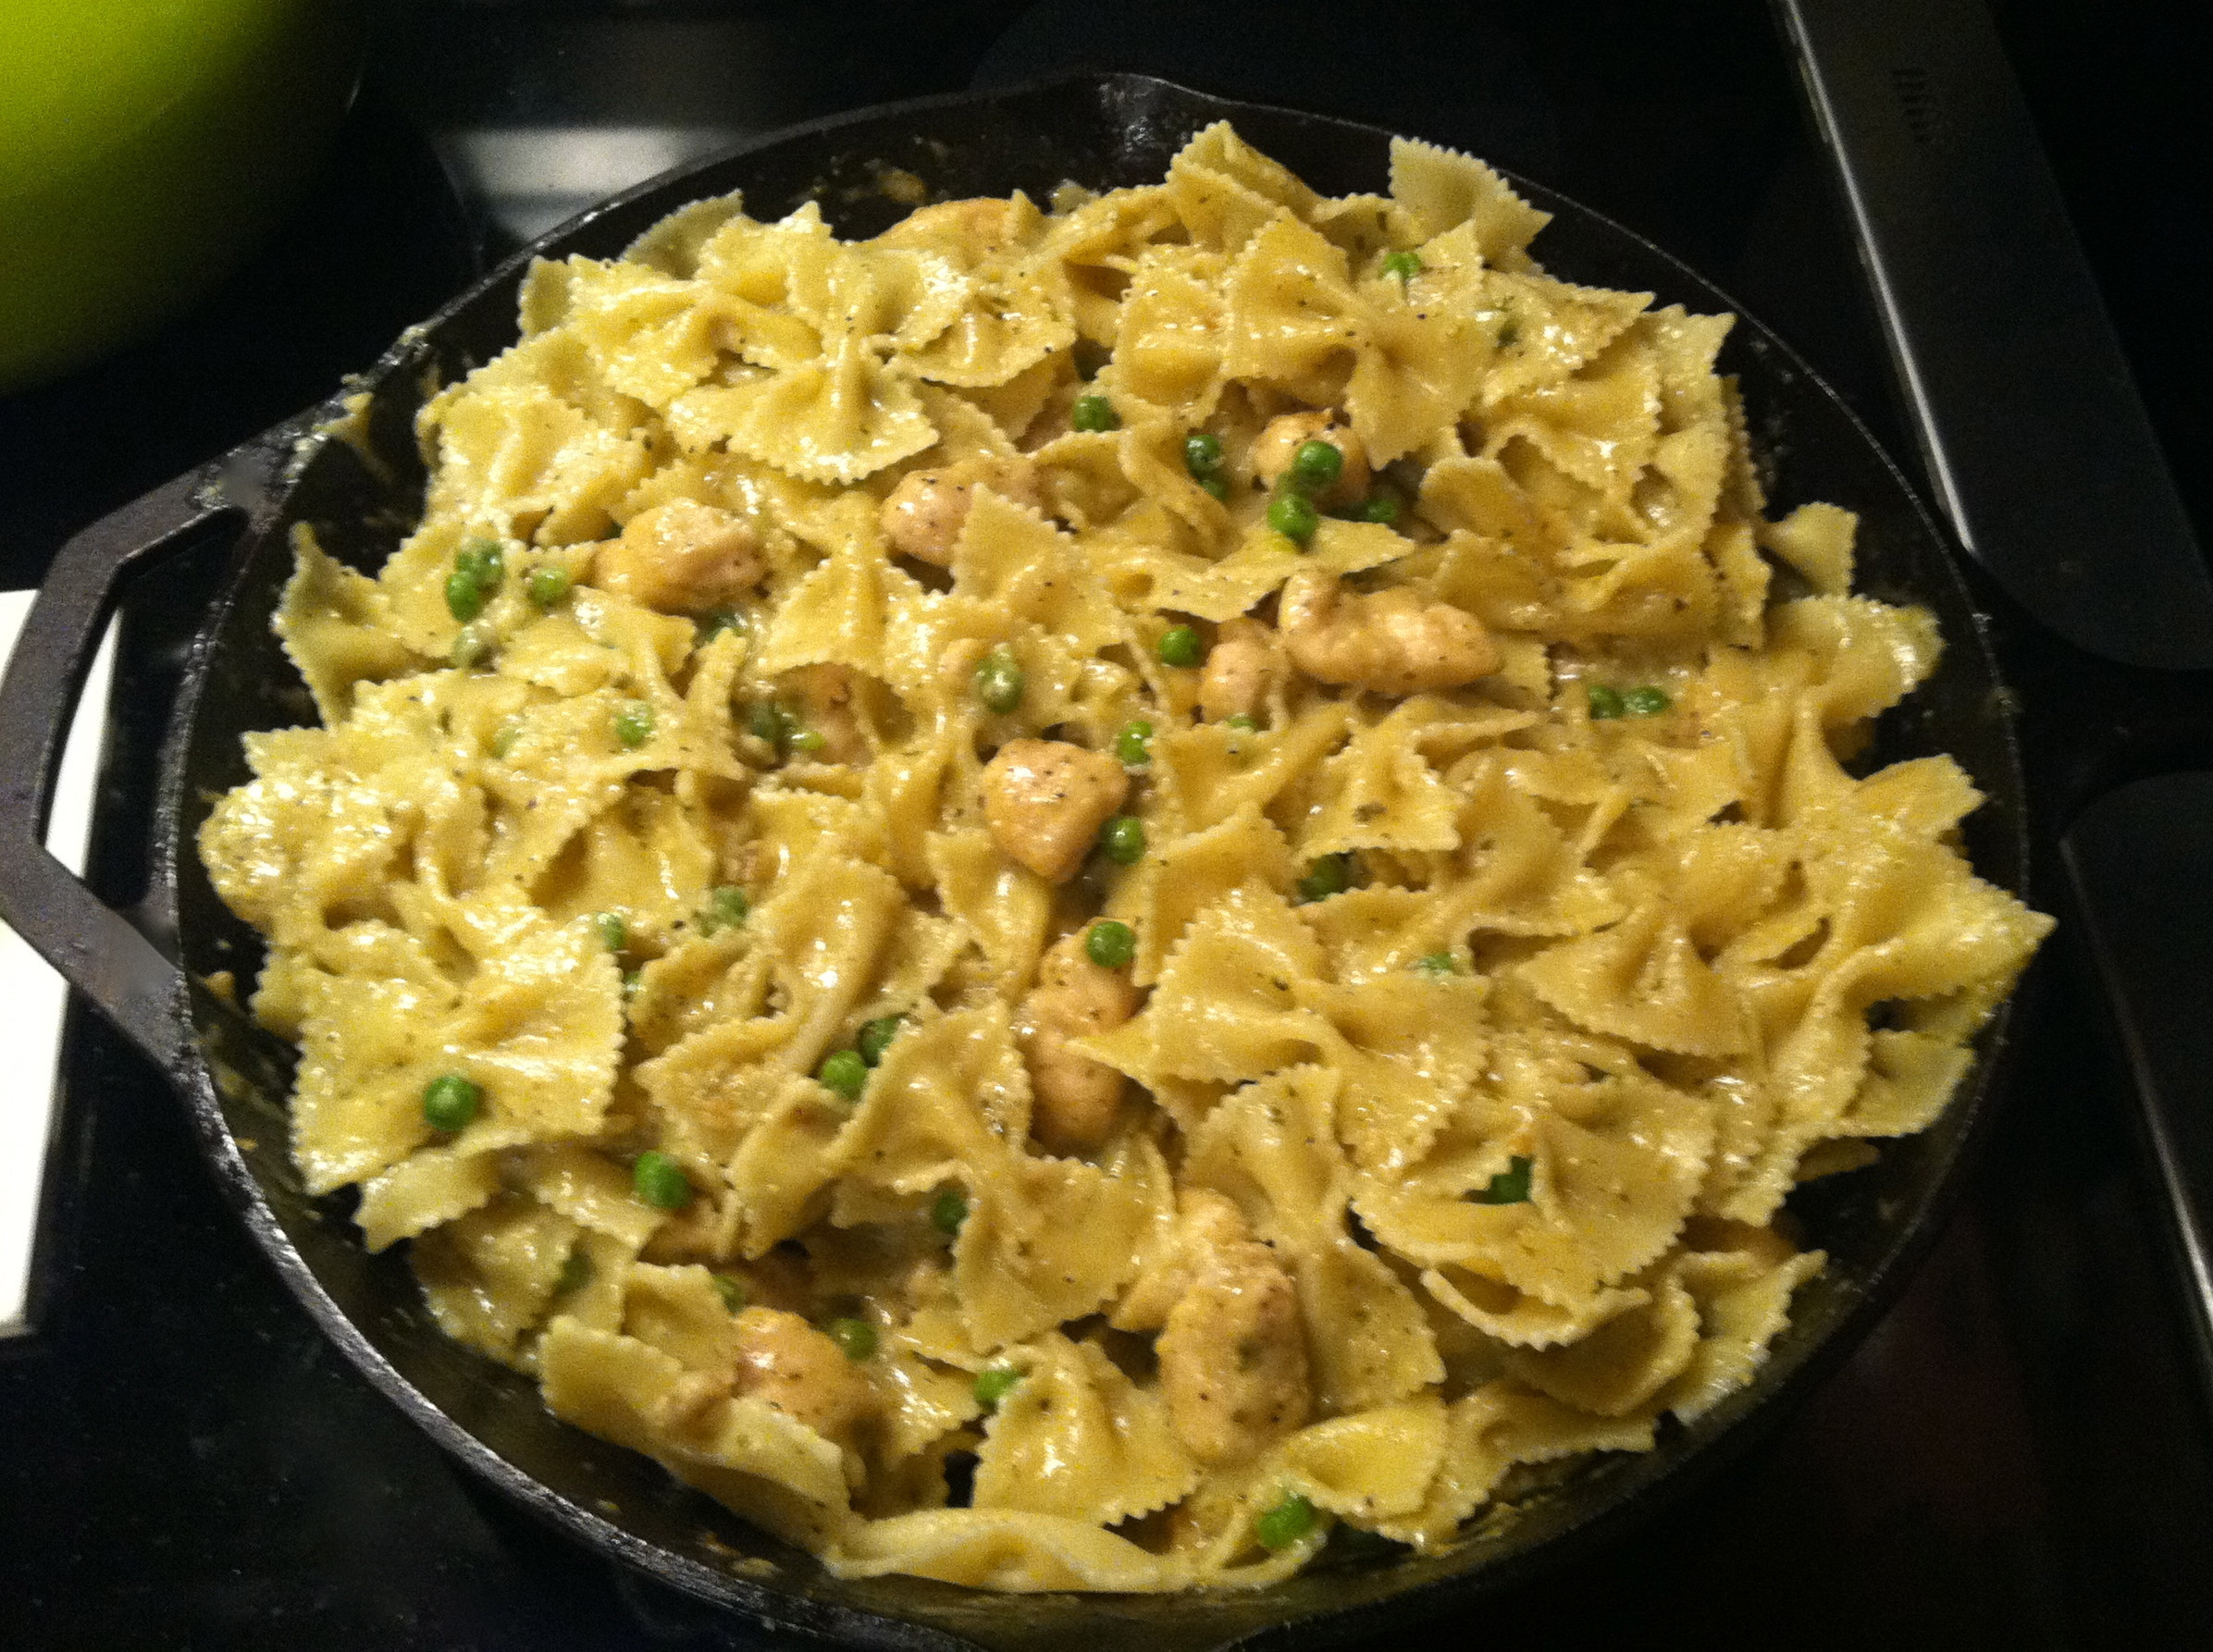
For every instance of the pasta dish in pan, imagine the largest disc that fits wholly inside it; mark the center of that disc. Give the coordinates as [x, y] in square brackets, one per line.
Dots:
[1066, 898]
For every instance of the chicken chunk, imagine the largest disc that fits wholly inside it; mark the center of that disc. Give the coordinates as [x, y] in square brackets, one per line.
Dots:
[1280, 439]
[787, 1364]
[923, 515]
[777, 1358]
[1044, 801]
[975, 223]
[1077, 1098]
[1391, 642]
[1234, 1364]
[681, 558]
[1205, 1222]
[1241, 668]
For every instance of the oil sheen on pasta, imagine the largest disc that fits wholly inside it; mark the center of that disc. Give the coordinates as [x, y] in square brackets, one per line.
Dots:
[808, 645]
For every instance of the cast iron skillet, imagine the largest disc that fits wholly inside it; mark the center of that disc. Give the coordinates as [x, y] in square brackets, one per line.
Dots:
[362, 494]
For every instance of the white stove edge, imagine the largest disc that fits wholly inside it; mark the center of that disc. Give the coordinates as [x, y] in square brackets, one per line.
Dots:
[31, 995]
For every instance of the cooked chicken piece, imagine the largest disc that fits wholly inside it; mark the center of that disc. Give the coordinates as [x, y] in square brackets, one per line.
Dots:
[923, 515]
[1241, 668]
[1206, 1220]
[1044, 801]
[1280, 439]
[780, 1360]
[978, 222]
[1391, 642]
[792, 1367]
[681, 558]
[1233, 1365]
[1077, 1098]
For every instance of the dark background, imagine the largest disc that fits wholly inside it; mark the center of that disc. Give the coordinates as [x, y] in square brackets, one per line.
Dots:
[2017, 1457]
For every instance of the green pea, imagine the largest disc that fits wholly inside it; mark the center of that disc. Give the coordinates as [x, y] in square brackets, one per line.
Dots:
[548, 584]
[948, 1211]
[1332, 874]
[464, 595]
[1315, 465]
[1133, 746]
[1509, 1186]
[726, 909]
[482, 560]
[809, 741]
[1294, 516]
[1180, 644]
[478, 569]
[450, 1100]
[1380, 506]
[1645, 702]
[1285, 1524]
[857, 1337]
[633, 724]
[472, 647]
[716, 620]
[1403, 267]
[1124, 839]
[504, 737]
[731, 1292]
[615, 930]
[1437, 964]
[1202, 454]
[1606, 703]
[576, 1274]
[1240, 721]
[768, 721]
[1216, 486]
[1094, 413]
[661, 1181]
[999, 679]
[995, 1385]
[1109, 945]
[632, 980]
[875, 1037]
[845, 1072]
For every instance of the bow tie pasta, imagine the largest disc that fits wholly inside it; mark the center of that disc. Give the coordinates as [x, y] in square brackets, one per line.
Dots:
[1060, 900]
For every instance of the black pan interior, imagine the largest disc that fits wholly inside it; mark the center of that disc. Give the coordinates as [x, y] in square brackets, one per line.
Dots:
[1099, 131]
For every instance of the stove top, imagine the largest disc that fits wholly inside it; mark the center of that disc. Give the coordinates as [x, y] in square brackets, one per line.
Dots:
[2017, 1457]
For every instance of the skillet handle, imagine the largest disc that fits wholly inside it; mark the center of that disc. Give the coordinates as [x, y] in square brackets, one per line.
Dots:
[94, 947]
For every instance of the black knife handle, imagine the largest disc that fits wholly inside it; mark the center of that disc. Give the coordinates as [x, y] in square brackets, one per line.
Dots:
[2035, 440]
[2142, 863]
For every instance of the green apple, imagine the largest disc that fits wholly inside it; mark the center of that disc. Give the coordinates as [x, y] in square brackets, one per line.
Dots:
[144, 146]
